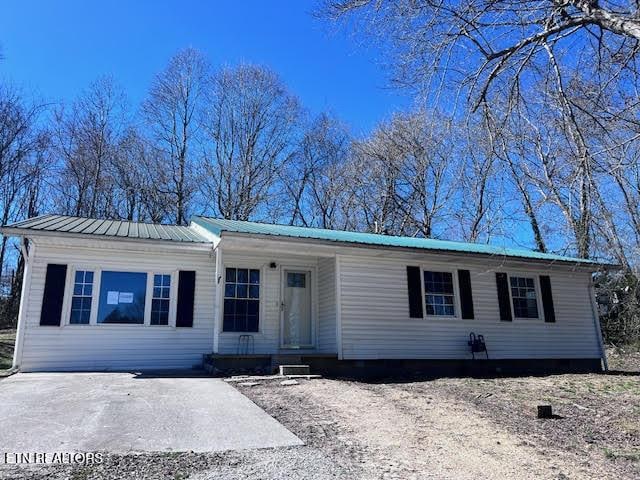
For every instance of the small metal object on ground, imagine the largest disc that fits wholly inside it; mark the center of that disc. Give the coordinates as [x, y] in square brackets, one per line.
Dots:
[545, 411]
[248, 384]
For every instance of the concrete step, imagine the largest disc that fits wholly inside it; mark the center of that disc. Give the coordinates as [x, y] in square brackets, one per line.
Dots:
[295, 370]
[277, 360]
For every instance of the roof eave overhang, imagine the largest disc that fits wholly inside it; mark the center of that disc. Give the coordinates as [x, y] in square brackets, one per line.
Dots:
[300, 241]
[205, 245]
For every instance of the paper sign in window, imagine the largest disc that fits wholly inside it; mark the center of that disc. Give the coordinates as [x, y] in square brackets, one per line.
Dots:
[112, 297]
[125, 297]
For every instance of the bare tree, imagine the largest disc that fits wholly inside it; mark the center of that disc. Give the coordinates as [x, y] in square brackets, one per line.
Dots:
[20, 144]
[172, 112]
[315, 191]
[86, 135]
[250, 124]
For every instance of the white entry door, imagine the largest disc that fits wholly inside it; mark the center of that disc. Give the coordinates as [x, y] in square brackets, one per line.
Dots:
[296, 309]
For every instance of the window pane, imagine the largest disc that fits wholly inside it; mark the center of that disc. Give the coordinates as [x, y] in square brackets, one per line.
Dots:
[242, 291]
[230, 290]
[243, 275]
[254, 291]
[254, 276]
[122, 297]
[296, 280]
[230, 275]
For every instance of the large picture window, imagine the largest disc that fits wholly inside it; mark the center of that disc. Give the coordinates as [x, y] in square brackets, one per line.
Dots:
[523, 294]
[439, 296]
[241, 300]
[81, 299]
[122, 297]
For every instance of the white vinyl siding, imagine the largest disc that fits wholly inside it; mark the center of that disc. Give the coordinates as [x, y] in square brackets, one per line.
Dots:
[327, 305]
[117, 346]
[376, 323]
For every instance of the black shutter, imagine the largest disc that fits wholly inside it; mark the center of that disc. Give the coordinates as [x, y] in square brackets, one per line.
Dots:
[466, 296]
[186, 293]
[53, 295]
[415, 292]
[547, 299]
[502, 283]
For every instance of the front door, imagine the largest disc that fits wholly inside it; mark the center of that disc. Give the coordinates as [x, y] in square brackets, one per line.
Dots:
[296, 309]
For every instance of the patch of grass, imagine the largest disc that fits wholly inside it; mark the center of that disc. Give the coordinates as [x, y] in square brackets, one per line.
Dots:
[7, 339]
[633, 455]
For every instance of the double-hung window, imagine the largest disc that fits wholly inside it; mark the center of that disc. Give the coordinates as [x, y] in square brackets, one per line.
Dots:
[241, 300]
[439, 294]
[81, 299]
[523, 296]
[160, 299]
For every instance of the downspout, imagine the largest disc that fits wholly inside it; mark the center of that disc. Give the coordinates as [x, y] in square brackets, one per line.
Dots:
[217, 324]
[596, 325]
[24, 301]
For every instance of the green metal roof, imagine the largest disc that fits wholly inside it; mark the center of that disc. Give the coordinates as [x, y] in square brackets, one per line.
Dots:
[218, 226]
[106, 228]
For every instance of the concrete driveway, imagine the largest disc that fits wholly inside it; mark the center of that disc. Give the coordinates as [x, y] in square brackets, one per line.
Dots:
[123, 412]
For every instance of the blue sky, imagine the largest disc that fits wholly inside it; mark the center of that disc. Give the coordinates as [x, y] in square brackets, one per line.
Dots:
[56, 49]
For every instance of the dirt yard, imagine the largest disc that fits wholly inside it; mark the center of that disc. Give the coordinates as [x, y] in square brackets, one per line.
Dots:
[440, 429]
[470, 428]
[7, 339]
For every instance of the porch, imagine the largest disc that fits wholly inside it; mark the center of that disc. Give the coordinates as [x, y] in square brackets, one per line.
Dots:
[273, 304]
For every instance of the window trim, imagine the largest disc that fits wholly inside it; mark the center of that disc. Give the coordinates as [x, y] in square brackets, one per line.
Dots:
[261, 302]
[536, 286]
[457, 315]
[95, 298]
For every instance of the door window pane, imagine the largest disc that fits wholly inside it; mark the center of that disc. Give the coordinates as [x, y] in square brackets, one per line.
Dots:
[122, 297]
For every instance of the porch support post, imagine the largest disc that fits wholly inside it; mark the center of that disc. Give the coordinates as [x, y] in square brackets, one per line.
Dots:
[217, 323]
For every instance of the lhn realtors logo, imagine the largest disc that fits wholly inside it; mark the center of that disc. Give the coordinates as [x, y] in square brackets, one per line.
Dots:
[74, 458]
